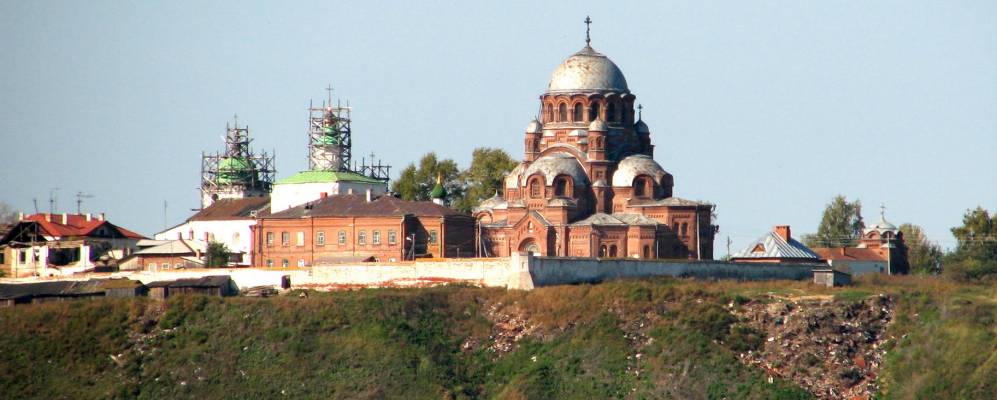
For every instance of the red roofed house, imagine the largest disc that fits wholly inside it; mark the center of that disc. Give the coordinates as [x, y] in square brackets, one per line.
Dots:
[62, 244]
[360, 227]
[881, 250]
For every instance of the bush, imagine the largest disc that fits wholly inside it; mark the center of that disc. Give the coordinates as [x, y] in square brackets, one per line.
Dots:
[971, 270]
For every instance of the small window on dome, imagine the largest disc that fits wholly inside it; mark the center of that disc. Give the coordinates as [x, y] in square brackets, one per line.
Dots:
[594, 111]
[535, 188]
[611, 113]
[562, 113]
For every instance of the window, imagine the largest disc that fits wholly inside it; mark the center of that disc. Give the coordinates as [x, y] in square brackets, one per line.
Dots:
[166, 266]
[301, 262]
[579, 114]
[640, 187]
[301, 238]
[561, 186]
[535, 188]
[594, 112]
[269, 263]
[611, 113]
[235, 238]
[562, 113]
[685, 228]
[285, 239]
[283, 263]
[342, 237]
[550, 112]
[612, 251]
[320, 238]
[392, 238]
[376, 237]
[151, 265]
[362, 238]
[647, 251]
[270, 239]
[22, 257]
[432, 237]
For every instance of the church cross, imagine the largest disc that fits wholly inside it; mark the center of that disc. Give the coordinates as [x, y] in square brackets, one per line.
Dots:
[329, 89]
[588, 24]
[640, 112]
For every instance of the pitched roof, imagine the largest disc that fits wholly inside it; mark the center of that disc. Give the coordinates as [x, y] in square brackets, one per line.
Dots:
[326, 177]
[76, 225]
[671, 201]
[227, 209]
[849, 253]
[179, 246]
[619, 219]
[356, 205]
[207, 281]
[773, 246]
[51, 288]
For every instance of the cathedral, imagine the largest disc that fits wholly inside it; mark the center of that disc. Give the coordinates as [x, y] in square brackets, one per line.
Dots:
[588, 185]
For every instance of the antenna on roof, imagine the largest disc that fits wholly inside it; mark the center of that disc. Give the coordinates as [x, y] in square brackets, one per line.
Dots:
[79, 199]
[52, 200]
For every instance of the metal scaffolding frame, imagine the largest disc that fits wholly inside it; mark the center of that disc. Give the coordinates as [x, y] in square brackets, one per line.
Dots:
[238, 169]
[330, 142]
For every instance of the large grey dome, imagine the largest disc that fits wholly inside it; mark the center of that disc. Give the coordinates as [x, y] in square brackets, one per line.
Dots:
[635, 165]
[587, 71]
[554, 164]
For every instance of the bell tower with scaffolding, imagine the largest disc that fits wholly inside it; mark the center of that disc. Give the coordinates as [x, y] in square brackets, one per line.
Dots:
[238, 172]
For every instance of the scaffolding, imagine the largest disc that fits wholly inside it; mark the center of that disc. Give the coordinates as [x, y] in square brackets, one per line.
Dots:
[238, 172]
[330, 142]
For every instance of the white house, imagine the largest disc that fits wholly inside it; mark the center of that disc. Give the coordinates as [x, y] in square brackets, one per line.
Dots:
[227, 221]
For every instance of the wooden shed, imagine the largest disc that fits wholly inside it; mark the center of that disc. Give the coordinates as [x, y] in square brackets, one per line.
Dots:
[123, 288]
[218, 285]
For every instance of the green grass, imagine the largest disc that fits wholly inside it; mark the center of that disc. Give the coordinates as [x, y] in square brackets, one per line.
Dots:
[393, 343]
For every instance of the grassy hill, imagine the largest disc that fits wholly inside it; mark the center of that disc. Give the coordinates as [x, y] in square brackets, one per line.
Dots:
[898, 338]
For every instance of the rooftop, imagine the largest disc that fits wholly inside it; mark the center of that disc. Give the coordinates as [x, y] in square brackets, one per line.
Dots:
[228, 209]
[326, 177]
[356, 205]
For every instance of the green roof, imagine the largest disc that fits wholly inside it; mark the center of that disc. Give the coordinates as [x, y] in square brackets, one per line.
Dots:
[326, 177]
[232, 169]
[438, 192]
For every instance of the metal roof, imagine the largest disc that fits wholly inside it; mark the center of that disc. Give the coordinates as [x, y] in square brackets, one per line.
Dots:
[326, 177]
[587, 71]
[773, 246]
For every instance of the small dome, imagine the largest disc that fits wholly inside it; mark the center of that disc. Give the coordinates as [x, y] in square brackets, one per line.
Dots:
[598, 126]
[496, 202]
[534, 126]
[512, 180]
[633, 166]
[882, 226]
[587, 71]
[552, 165]
[641, 127]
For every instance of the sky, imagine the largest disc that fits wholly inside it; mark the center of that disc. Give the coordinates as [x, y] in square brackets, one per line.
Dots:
[766, 109]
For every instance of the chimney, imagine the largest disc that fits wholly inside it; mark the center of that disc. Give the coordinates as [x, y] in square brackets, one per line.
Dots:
[369, 195]
[323, 195]
[65, 219]
[20, 216]
[48, 217]
[101, 217]
[89, 217]
[783, 232]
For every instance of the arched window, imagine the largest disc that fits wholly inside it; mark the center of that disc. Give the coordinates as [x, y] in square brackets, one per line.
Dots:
[594, 111]
[579, 114]
[562, 112]
[612, 251]
[602, 251]
[550, 113]
[647, 251]
[685, 228]
[640, 190]
[562, 186]
[611, 112]
[535, 188]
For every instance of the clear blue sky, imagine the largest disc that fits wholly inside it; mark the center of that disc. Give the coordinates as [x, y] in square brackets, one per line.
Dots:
[767, 109]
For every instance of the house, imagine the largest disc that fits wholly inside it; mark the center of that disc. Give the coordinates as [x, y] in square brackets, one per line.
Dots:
[165, 255]
[218, 286]
[881, 249]
[63, 244]
[227, 221]
[361, 226]
[777, 246]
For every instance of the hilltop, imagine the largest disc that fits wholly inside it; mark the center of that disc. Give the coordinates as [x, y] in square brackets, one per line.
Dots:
[665, 338]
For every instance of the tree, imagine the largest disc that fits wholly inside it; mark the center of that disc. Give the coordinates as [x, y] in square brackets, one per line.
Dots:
[217, 255]
[485, 176]
[976, 239]
[841, 225]
[924, 257]
[7, 214]
[415, 183]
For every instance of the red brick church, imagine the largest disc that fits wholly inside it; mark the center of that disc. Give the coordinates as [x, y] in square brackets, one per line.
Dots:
[588, 185]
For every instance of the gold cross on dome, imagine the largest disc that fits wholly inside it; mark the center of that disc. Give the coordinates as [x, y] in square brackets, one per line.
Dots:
[588, 24]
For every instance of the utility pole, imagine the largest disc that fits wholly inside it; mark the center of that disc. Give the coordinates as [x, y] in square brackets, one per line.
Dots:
[164, 215]
[728, 247]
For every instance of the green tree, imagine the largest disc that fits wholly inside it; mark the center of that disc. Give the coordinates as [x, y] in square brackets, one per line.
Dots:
[841, 225]
[485, 176]
[7, 214]
[924, 257]
[415, 182]
[976, 239]
[217, 255]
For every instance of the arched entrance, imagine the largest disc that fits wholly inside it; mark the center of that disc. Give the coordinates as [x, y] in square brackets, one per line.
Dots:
[530, 246]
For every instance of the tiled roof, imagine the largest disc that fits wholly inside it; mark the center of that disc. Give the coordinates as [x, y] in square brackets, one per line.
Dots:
[849, 253]
[356, 205]
[326, 177]
[773, 246]
[227, 209]
[76, 225]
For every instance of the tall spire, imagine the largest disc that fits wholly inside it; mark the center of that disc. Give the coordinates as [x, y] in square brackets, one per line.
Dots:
[588, 24]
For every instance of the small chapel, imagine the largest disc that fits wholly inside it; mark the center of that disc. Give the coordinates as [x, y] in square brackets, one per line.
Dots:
[588, 185]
